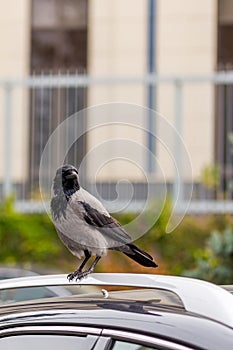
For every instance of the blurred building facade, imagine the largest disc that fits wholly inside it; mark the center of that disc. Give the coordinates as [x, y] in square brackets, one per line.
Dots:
[112, 38]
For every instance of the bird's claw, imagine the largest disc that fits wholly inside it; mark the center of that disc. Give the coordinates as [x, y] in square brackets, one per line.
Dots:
[78, 275]
[74, 275]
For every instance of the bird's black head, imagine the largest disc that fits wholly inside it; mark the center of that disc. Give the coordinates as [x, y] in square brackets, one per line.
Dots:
[66, 181]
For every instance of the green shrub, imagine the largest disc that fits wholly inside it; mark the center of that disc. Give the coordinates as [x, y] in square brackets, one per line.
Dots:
[30, 240]
[215, 262]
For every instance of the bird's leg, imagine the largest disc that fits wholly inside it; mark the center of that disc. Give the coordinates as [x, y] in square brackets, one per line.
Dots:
[91, 269]
[76, 273]
[83, 274]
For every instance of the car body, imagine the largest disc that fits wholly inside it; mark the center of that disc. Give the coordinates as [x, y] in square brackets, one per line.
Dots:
[157, 312]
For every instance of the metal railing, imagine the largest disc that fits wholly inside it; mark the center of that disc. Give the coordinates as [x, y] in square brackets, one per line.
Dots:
[48, 100]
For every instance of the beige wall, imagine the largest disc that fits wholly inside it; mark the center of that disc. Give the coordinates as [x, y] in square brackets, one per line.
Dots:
[186, 44]
[186, 39]
[14, 63]
[14, 38]
[116, 46]
[117, 31]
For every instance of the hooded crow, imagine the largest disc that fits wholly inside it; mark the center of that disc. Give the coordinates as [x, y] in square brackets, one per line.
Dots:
[84, 225]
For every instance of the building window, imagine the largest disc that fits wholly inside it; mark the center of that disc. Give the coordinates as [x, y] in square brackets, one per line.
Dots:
[224, 116]
[58, 46]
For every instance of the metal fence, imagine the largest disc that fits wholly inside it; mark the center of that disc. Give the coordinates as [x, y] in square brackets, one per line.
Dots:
[33, 107]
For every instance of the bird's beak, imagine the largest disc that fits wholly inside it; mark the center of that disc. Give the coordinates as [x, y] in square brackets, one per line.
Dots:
[72, 175]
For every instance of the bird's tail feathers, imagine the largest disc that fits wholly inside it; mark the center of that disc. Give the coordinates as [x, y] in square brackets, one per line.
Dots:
[138, 255]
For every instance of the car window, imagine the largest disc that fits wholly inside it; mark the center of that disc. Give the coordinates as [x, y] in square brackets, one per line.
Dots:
[122, 345]
[47, 342]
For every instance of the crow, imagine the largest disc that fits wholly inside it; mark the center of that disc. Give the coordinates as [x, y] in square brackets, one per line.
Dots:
[84, 225]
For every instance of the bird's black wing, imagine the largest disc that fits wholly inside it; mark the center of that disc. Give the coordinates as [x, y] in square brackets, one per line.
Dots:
[116, 235]
[107, 225]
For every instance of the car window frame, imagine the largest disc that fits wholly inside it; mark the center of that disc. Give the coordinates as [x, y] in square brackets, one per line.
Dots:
[109, 336]
[104, 338]
[53, 330]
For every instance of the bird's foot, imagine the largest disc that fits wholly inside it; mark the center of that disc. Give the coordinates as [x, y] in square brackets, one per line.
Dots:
[78, 275]
[75, 275]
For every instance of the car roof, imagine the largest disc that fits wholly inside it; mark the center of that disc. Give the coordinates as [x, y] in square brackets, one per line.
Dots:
[166, 306]
[198, 297]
